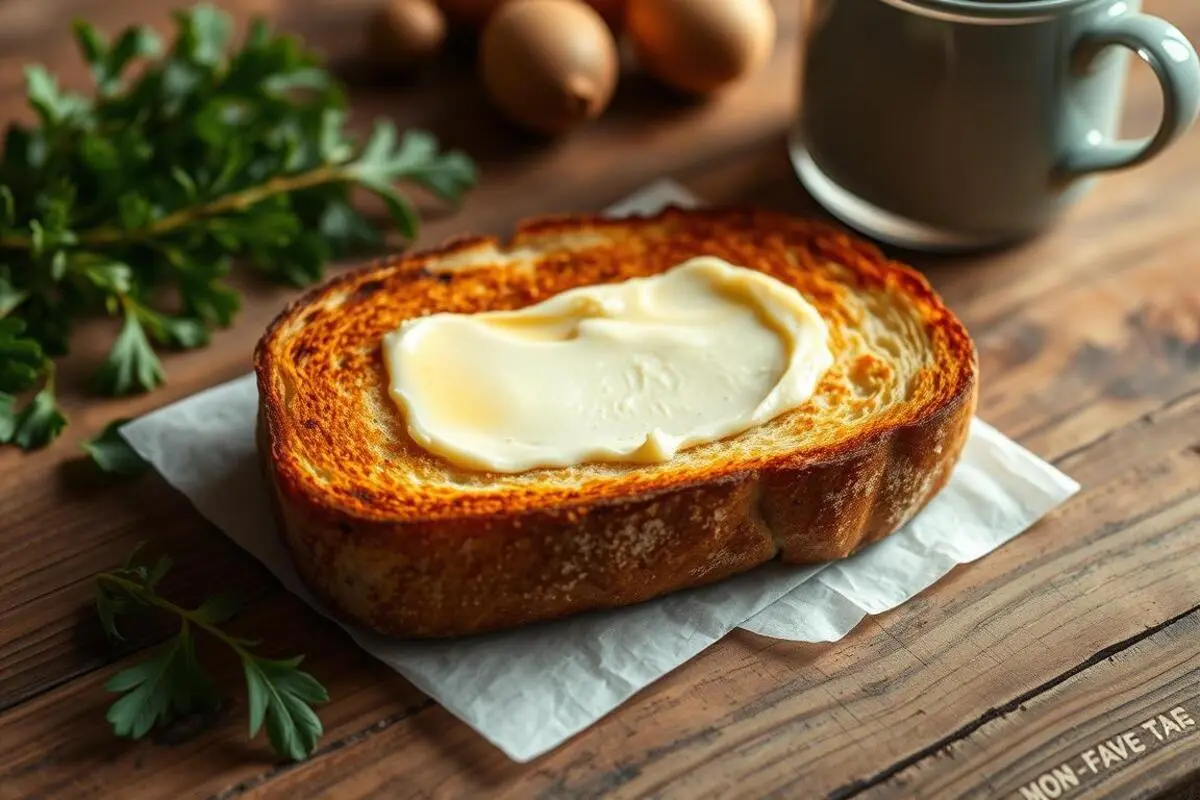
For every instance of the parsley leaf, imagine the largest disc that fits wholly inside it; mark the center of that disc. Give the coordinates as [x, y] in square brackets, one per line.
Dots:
[52, 105]
[173, 682]
[416, 159]
[10, 297]
[206, 297]
[8, 416]
[131, 365]
[111, 453]
[21, 358]
[282, 694]
[40, 422]
[108, 62]
[189, 157]
[170, 683]
[174, 331]
[109, 606]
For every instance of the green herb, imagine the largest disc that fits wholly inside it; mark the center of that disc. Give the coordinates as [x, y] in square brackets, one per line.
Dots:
[135, 202]
[111, 453]
[172, 682]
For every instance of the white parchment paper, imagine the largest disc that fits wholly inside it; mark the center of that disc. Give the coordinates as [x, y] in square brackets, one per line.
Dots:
[529, 690]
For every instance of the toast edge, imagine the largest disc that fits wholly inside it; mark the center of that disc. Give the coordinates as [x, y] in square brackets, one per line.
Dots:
[458, 577]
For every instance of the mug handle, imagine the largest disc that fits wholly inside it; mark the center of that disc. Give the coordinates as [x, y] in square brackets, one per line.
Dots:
[1174, 61]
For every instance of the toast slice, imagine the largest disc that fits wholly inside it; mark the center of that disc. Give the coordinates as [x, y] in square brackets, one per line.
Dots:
[401, 541]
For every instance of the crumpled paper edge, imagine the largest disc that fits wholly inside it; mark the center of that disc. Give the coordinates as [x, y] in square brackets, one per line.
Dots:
[894, 561]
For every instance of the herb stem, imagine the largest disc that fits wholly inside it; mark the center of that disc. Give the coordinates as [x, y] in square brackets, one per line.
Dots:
[153, 599]
[328, 173]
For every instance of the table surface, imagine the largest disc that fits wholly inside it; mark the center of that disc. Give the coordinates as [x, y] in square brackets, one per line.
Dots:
[1080, 630]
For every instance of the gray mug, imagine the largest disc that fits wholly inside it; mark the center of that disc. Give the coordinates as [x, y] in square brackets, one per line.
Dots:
[951, 124]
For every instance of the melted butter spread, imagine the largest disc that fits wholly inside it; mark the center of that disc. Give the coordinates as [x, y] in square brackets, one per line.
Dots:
[629, 372]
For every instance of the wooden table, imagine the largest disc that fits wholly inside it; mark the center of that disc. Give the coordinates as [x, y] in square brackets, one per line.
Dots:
[1078, 631]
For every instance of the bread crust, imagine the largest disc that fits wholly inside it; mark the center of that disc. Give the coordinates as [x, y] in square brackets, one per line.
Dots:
[431, 572]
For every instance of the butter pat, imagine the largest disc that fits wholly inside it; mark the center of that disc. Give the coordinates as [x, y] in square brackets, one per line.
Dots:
[627, 372]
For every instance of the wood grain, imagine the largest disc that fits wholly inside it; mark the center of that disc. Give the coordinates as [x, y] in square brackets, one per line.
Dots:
[1089, 341]
[1076, 736]
[523, 177]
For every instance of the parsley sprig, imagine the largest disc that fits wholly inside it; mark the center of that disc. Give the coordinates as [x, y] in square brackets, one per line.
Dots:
[172, 682]
[111, 453]
[136, 202]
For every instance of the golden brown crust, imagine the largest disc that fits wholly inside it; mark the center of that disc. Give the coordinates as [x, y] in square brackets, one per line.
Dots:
[471, 556]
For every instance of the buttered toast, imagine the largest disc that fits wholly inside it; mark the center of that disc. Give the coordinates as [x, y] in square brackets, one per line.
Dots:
[401, 541]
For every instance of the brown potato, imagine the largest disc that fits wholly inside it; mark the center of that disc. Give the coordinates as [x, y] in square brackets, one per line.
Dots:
[548, 65]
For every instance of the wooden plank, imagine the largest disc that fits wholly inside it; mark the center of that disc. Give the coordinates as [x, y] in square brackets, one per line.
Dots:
[1151, 444]
[51, 542]
[48, 624]
[749, 713]
[55, 745]
[25, 486]
[43, 592]
[1083, 334]
[1125, 727]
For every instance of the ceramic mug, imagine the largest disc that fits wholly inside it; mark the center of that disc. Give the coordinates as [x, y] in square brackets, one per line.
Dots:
[946, 124]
